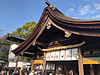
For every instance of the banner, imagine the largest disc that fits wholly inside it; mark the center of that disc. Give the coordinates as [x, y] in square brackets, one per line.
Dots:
[20, 64]
[62, 55]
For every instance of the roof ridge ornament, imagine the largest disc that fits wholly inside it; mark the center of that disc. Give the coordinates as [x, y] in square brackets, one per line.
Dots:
[50, 5]
[47, 3]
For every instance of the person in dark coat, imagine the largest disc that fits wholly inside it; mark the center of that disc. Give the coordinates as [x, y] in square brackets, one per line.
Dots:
[11, 70]
[24, 72]
[16, 72]
[0, 68]
[3, 72]
[39, 73]
[5, 69]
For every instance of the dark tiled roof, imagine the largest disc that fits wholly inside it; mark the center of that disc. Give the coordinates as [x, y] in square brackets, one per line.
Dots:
[15, 38]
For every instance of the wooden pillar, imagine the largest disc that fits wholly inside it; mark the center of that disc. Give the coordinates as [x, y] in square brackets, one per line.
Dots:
[91, 70]
[44, 62]
[57, 68]
[17, 61]
[32, 62]
[80, 62]
[98, 67]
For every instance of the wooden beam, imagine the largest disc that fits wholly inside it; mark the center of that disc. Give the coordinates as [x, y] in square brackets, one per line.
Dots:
[44, 62]
[42, 44]
[80, 63]
[29, 53]
[96, 55]
[64, 47]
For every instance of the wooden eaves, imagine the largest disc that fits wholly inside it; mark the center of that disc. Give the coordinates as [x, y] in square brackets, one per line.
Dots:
[52, 16]
[15, 38]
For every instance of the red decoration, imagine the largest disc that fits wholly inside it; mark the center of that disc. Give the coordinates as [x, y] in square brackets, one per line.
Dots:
[91, 65]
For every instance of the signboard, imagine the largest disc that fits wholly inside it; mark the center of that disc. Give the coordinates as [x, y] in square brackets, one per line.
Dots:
[91, 60]
[20, 64]
[38, 61]
[62, 55]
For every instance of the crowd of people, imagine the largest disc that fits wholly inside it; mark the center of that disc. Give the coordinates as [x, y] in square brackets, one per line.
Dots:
[24, 71]
[14, 71]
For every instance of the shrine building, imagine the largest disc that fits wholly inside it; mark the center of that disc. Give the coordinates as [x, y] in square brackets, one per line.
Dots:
[60, 43]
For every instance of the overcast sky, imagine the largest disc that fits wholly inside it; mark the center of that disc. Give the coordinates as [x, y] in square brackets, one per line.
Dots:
[15, 13]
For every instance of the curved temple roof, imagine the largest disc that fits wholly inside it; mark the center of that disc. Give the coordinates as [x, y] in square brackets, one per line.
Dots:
[62, 22]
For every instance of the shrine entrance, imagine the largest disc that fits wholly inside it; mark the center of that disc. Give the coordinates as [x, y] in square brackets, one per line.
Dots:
[63, 67]
[61, 61]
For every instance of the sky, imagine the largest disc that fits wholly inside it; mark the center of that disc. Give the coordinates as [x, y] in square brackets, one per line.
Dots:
[15, 13]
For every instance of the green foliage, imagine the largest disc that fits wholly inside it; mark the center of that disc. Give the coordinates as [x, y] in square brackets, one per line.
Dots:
[4, 48]
[24, 58]
[25, 30]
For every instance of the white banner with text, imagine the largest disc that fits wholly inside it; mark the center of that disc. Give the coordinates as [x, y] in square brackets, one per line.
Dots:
[62, 55]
